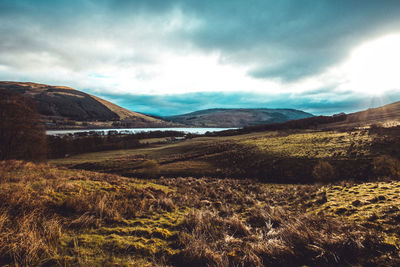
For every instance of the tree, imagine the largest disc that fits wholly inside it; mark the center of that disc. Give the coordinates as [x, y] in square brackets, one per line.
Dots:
[22, 134]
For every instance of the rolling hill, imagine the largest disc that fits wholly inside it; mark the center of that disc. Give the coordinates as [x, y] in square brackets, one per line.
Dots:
[388, 115]
[66, 107]
[237, 117]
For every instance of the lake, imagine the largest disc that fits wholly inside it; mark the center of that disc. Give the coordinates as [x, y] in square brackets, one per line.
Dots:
[138, 130]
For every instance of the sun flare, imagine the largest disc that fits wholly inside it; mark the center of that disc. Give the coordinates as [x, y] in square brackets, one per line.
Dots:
[373, 67]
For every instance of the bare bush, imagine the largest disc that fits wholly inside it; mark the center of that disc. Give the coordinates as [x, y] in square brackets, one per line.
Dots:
[324, 172]
[387, 166]
[151, 168]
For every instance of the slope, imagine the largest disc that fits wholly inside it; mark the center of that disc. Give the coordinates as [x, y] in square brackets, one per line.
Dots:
[237, 117]
[67, 106]
[388, 115]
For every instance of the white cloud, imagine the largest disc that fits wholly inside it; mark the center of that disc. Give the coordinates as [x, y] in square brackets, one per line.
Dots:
[180, 49]
[373, 68]
[370, 69]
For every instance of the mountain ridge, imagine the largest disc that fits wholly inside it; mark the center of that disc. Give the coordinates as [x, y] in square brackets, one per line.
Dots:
[237, 117]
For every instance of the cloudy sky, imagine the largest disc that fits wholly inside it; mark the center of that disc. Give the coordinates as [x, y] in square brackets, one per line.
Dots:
[169, 57]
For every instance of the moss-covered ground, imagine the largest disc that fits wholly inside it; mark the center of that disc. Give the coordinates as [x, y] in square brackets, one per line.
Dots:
[101, 219]
[309, 144]
[373, 204]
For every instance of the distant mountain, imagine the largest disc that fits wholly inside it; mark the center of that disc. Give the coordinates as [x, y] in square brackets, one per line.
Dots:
[65, 107]
[237, 117]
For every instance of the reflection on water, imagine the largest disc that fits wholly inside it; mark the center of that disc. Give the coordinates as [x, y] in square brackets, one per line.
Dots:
[137, 130]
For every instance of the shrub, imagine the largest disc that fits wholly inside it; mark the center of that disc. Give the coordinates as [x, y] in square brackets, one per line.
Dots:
[324, 172]
[386, 166]
[151, 168]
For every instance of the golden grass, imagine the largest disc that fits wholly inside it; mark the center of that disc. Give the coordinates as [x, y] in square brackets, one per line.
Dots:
[254, 155]
[313, 144]
[58, 216]
[374, 204]
[54, 216]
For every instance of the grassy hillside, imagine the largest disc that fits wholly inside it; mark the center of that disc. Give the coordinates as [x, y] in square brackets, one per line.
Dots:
[285, 156]
[53, 216]
[66, 107]
[237, 117]
[387, 116]
[123, 113]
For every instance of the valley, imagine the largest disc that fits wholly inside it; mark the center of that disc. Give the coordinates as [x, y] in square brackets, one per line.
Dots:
[264, 156]
[318, 191]
[199, 133]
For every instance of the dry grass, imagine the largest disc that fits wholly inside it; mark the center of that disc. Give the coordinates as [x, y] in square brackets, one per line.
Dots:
[374, 205]
[51, 216]
[242, 223]
[284, 240]
[309, 144]
[43, 208]
[285, 156]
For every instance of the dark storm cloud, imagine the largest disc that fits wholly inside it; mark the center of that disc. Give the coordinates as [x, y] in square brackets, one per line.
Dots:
[280, 39]
[67, 33]
[290, 39]
[284, 40]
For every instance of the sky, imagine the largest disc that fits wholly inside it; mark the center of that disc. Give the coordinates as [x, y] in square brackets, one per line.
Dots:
[171, 57]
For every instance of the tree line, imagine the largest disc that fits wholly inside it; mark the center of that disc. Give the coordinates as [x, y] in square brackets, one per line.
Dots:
[94, 141]
[23, 136]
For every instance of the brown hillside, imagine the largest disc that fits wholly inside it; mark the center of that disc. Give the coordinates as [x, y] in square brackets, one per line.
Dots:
[58, 104]
[122, 112]
[388, 115]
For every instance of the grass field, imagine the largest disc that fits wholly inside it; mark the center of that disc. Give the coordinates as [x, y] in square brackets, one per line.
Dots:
[270, 156]
[302, 144]
[319, 145]
[56, 216]
[371, 204]
[59, 214]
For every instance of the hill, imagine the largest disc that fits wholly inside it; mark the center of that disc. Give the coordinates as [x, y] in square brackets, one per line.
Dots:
[66, 107]
[385, 116]
[237, 117]
[388, 115]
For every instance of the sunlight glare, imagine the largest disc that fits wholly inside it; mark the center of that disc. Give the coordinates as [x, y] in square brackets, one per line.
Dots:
[373, 67]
